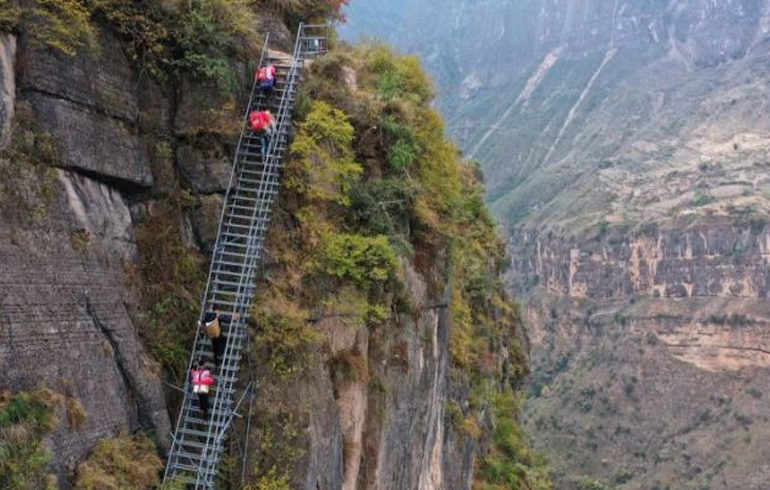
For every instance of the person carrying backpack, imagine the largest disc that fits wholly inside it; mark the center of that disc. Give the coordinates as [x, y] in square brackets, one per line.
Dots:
[212, 326]
[202, 380]
[263, 125]
[266, 79]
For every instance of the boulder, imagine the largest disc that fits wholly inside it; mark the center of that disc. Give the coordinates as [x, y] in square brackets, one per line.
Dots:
[204, 170]
[94, 143]
[100, 78]
[206, 221]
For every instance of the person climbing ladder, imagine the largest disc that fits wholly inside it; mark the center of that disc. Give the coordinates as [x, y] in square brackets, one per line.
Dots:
[266, 79]
[201, 381]
[263, 125]
[212, 325]
[200, 446]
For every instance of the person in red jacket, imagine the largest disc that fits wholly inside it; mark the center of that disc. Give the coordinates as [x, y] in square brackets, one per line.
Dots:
[201, 380]
[263, 125]
[266, 78]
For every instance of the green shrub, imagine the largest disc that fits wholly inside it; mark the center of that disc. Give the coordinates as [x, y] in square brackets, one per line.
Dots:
[395, 76]
[509, 463]
[62, 25]
[174, 279]
[200, 38]
[369, 263]
[323, 168]
[211, 32]
[145, 30]
[282, 331]
[120, 463]
[25, 418]
[702, 198]
[383, 207]
[271, 481]
[10, 16]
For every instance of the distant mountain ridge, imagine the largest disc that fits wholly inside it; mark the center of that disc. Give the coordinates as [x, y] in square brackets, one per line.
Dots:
[626, 150]
[531, 88]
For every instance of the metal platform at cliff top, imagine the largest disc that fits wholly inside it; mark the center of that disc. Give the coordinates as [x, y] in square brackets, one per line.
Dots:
[198, 444]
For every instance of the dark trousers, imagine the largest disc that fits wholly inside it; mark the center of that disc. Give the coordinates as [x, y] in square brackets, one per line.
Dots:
[203, 401]
[218, 346]
[265, 143]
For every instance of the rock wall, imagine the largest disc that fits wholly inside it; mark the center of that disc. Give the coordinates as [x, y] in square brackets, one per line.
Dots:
[718, 259]
[119, 145]
[69, 295]
[65, 318]
[702, 289]
[66, 240]
[383, 425]
[649, 352]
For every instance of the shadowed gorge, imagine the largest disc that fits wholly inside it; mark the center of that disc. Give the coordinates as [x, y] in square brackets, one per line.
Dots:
[625, 149]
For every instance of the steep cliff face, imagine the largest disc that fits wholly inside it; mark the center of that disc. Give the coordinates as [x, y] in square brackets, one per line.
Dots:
[625, 146]
[650, 349]
[66, 242]
[85, 143]
[393, 260]
[370, 409]
[113, 166]
[718, 259]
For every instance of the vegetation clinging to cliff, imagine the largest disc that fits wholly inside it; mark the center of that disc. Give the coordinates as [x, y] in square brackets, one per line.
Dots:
[162, 37]
[352, 220]
[199, 37]
[25, 418]
[371, 186]
[172, 275]
[120, 463]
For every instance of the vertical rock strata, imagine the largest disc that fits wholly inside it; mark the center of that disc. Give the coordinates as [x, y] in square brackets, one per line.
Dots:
[66, 242]
[112, 147]
[387, 429]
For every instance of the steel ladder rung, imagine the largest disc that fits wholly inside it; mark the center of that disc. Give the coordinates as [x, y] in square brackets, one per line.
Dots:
[248, 208]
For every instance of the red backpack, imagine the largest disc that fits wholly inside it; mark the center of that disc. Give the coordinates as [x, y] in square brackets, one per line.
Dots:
[266, 73]
[260, 120]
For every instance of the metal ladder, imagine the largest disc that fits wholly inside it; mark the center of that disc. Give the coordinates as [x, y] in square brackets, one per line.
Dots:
[198, 444]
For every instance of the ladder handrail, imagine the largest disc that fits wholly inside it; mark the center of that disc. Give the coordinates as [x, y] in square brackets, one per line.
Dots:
[217, 245]
[283, 110]
[196, 462]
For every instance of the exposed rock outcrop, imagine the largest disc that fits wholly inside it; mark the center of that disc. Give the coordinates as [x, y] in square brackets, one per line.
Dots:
[718, 259]
[624, 324]
[373, 405]
[64, 314]
[204, 171]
